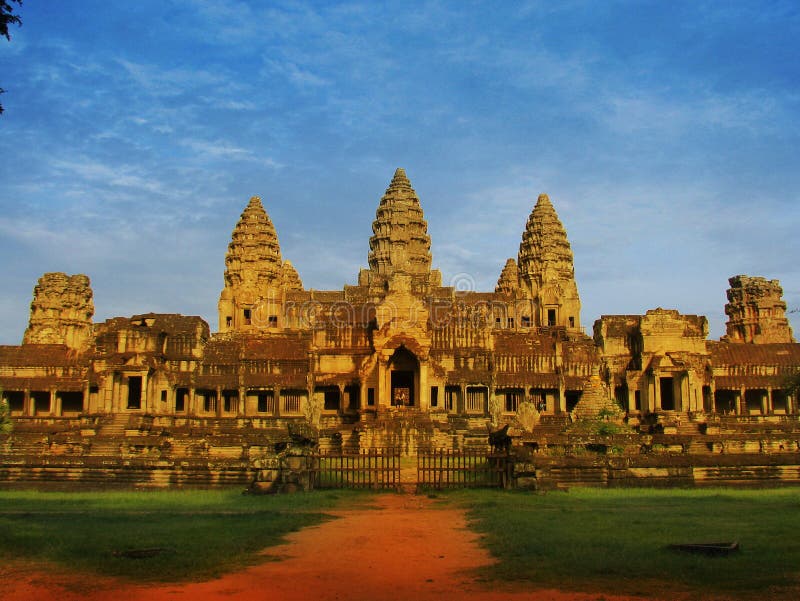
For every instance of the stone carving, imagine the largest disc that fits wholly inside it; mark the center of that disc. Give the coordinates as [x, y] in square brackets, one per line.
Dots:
[290, 278]
[596, 402]
[508, 283]
[256, 276]
[546, 267]
[756, 311]
[61, 311]
[400, 240]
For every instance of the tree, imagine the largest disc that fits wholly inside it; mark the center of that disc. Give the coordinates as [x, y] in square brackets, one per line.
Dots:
[791, 384]
[7, 17]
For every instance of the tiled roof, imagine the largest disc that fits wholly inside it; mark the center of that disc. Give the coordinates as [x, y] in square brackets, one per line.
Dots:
[724, 353]
[39, 355]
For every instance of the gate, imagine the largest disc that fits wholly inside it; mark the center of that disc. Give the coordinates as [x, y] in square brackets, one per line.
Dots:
[463, 469]
[373, 468]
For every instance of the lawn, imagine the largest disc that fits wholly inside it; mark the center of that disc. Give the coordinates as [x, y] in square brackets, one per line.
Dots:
[615, 540]
[202, 533]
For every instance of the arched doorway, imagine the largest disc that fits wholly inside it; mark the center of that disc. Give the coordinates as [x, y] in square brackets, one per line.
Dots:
[404, 374]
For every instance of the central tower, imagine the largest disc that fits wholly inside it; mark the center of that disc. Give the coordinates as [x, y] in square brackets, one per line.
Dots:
[400, 242]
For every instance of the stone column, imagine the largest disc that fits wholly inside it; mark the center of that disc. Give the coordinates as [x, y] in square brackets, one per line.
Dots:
[145, 397]
[656, 393]
[191, 402]
[242, 408]
[462, 401]
[766, 402]
[382, 392]
[424, 395]
[276, 401]
[53, 407]
[219, 402]
[741, 402]
[342, 406]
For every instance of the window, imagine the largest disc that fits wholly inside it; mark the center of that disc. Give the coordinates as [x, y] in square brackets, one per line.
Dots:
[512, 400]
[571, 321]
[370, 397]
[229, 321]
[551, 317]
[247, 317]
[526, 321]
[290, 401]
[273, 321]
[266, 402]
[510, 322]
[476, 399]
[434, 396]
[163, 396]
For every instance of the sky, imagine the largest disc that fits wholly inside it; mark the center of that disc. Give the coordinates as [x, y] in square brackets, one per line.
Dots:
[665, 133]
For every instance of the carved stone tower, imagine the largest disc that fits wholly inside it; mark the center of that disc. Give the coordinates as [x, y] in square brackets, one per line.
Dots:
[256, 277]
[508, 283]
[756, 311]
[61, 311]
[546, 270]
[400, 241]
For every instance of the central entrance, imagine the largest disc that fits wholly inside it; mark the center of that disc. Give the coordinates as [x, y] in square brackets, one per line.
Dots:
[404, 369]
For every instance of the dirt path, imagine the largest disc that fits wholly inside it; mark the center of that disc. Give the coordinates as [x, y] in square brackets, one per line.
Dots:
[402, 549]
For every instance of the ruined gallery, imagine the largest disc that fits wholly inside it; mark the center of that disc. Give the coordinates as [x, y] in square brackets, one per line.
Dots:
[399, 360]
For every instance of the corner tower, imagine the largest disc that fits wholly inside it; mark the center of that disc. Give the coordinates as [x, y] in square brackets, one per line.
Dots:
[546, 270]
[756, 311]
[256, 277]
[400, 241]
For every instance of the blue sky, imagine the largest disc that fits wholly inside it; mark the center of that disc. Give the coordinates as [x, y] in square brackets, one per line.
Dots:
[665, 133]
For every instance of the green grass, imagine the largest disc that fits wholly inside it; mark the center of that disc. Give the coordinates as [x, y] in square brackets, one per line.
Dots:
[205, 533]
[614, 540]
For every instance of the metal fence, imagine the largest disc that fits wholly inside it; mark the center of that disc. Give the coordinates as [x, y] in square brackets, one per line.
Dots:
[463, 469]
[373, 468]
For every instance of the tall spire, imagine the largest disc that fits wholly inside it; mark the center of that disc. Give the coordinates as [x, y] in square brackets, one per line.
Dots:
[254, 254]
[546, 267]
[400, 240]
[508, 283]
[254, 271]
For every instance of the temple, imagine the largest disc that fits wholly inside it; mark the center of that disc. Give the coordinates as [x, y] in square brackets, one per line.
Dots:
[397, 359]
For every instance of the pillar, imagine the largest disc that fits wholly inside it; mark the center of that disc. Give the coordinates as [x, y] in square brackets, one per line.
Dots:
[424, 393]
[219, 402]
[341, 399]
[276, 401]
[462, 400]
[741, 403]
[242, 408]
[656, 393]
[382, 392]
[26, 402]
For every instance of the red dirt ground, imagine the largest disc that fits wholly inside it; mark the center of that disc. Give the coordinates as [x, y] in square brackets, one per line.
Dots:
[403, 548]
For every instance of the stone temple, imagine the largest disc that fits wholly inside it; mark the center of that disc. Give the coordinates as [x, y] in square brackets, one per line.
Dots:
[395, 360]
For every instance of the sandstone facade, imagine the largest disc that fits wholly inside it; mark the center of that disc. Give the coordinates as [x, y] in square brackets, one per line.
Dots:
[398, 354]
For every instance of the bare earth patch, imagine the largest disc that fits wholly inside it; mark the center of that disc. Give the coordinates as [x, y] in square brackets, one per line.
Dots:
[401, 548]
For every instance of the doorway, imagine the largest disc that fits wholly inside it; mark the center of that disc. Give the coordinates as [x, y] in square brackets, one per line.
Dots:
[404, 368]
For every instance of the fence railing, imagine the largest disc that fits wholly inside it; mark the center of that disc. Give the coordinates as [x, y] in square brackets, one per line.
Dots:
[463, 469]
[373, 468]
